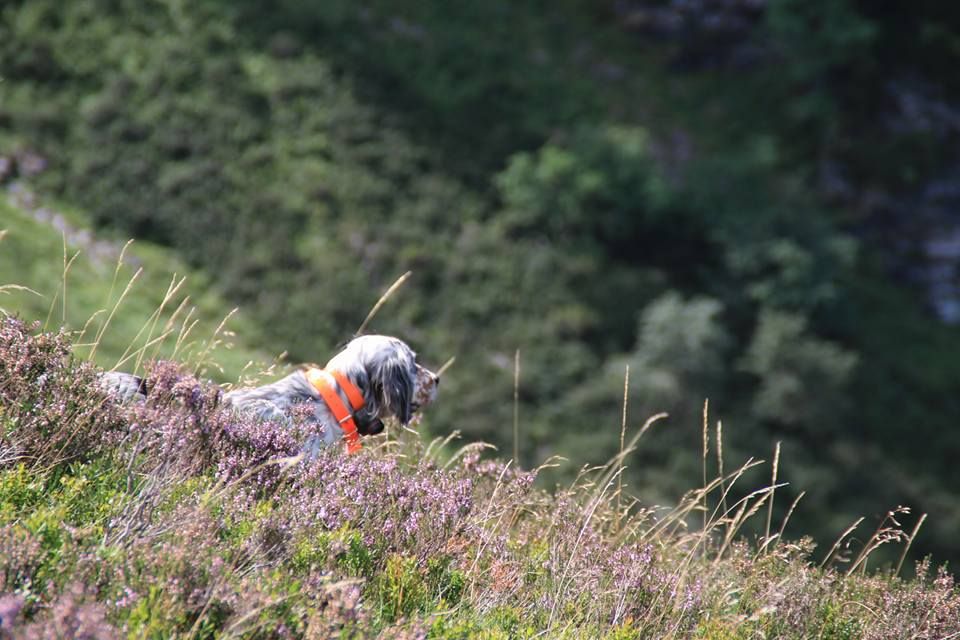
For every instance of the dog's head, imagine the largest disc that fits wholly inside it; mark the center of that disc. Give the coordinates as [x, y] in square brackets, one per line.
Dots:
[386, 371]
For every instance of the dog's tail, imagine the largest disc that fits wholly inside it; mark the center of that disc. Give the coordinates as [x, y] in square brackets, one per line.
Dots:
[124, 387]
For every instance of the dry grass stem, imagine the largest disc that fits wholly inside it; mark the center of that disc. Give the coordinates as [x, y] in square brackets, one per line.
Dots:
[906, 547]
[720, 462]
[446, 365]
[516, 406]
[705, 449]
[186, 327]
[113, 311]
[773, 483]
[168, 326]
[889, 530]
[786, 518]
[61, 293]
[212, 344]
[836, 545]
[383, 300]
[149, 327]
[9, 288]
[623, 433]
[172, 290]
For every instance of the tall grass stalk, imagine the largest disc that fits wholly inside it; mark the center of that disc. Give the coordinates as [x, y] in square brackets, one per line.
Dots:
[516, 406]
[103, 328]
[113, 284]
[171, 291]
[906, 547]
[889, 530]
[720, 462]
[742, 515]
[211, 344]
[186, 328]
[61, 293]
[836, 545]
[168, 327]
[486, 517]
[786, 519]
[612, 467]
[10, 288]
[706, 450]
[623, 433]
[446, 365]
[382, 301]
[590, 511]
[773, 484]
[148, 326]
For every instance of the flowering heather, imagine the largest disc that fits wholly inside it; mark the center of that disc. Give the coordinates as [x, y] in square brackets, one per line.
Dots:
[52, 410]
[21, 555]
[177, 517]
[395, 508]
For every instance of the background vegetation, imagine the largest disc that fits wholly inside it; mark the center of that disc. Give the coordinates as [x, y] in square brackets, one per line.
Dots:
[751, 201]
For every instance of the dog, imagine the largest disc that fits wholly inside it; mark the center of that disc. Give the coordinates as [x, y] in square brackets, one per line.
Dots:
[372, 379]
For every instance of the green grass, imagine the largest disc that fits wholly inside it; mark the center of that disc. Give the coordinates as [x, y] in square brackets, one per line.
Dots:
[33, 255]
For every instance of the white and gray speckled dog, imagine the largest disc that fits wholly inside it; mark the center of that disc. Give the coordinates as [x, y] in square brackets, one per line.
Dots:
[382, 368]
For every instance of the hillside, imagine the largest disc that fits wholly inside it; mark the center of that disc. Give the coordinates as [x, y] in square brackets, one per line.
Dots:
[751, 201]
[175, 518]
[125, 305]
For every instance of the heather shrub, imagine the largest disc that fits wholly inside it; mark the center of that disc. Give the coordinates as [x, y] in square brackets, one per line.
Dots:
[75, 615]
[184, 426]
[21, 556]
[51, 409]
[392, 508]
[10, 606]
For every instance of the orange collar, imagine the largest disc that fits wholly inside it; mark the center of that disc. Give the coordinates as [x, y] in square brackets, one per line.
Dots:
[326, 383]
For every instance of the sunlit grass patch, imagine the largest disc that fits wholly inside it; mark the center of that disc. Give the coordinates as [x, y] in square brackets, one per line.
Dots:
[77, 281]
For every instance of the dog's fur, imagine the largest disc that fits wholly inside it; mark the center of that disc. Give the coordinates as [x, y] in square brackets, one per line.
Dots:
[383, 368]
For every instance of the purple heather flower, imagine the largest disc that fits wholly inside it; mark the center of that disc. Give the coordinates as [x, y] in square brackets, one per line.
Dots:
[10, 606]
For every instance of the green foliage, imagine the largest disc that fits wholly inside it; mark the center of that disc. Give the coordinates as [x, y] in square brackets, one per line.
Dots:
[310, 554]
[400, 590]
[81, 495]
[148, 619]
[838, 626]
[555, 185]
[63, 509]
[499, 624]
[21, 490]
[799, 374]
[354, 558]
[818, 40]
[484, 77]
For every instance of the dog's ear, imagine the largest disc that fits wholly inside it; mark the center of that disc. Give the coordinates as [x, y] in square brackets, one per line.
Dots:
[396, 385]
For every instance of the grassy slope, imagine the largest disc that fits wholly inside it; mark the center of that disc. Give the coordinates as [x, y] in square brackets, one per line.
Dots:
[31, 255]
[184, 542]
[188, 530]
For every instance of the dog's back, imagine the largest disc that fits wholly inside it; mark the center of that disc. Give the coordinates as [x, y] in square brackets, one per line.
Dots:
[124, 387]
[273, 401]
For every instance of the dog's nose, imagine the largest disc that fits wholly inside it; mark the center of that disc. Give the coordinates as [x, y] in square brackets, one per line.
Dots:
[436, 379]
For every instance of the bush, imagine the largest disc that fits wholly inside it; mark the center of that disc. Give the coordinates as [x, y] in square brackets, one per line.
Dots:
[52, 409]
